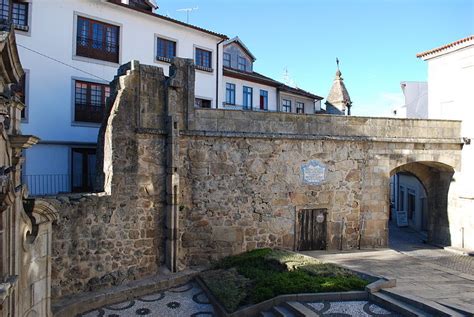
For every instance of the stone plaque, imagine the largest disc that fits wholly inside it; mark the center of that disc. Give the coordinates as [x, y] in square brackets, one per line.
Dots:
[313, 172]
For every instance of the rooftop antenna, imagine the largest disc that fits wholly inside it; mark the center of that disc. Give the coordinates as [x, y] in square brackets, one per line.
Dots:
[188, 10]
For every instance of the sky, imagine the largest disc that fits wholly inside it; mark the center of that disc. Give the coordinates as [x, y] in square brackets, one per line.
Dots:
[376, 41]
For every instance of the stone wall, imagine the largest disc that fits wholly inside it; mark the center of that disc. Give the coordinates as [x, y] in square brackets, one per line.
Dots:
[182, 186]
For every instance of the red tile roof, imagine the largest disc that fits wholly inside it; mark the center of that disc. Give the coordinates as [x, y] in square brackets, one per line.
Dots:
[162, 17]
[445, 47]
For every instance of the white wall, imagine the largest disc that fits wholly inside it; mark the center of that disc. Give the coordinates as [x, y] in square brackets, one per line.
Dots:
[308, 103]
[50, 93]
[416, 99]
[239, 84]
[451, 96]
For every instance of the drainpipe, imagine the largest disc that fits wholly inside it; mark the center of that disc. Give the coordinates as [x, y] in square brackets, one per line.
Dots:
[217, 73]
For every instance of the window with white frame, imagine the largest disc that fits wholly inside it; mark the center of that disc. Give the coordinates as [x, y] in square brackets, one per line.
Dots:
[286, 105]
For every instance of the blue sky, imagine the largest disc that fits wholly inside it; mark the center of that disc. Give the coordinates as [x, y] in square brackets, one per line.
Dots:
[375, 40]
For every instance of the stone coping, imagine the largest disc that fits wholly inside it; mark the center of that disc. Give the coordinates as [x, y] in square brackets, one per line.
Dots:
[353, 138]
[339, 117]
[254, 310]
[76, 304]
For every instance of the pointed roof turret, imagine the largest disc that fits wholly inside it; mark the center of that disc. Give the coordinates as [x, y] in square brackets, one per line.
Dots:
[338, 99]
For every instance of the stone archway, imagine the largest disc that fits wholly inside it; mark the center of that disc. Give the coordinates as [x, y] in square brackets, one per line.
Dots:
[436, 179]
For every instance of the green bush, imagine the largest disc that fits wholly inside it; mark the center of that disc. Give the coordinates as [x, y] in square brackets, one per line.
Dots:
[228, 287]
[262, 274]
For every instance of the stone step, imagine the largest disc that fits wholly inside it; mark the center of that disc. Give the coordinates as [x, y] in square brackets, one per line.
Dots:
[267, 314]
[396, 305]
[300, 310]
[425, 305]
[282, 311]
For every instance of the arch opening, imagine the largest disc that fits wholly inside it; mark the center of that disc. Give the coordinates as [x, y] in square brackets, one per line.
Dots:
[418, 204]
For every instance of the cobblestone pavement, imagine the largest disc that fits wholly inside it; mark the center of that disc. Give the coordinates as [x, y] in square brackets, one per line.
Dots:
[186, 300]
[420, 270]
[410, 242]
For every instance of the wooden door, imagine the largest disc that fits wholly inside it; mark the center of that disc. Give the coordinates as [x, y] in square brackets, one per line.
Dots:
[312, 229]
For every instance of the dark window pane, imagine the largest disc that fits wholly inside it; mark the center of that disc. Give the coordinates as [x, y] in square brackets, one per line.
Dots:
[165, 49]
[20, 14]
[90, 101]
[203, 58]
[4, 10]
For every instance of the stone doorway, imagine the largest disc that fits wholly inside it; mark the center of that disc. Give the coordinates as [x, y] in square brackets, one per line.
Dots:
[311, 229]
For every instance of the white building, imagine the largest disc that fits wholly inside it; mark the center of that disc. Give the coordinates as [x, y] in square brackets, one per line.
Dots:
[416, 100]
[450, 96]
[243, 88]
[71, 50]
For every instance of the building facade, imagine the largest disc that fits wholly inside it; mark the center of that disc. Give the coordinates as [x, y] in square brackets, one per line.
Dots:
[416, 100]
[70, 60]
[448, 95]
[245, 89]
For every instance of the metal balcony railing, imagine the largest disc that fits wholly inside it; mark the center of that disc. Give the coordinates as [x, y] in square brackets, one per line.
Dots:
[50, 184]
[88, 113]
[53, 184]
[98, 49]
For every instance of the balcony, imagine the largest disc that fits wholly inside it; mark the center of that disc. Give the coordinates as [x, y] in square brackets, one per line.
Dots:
[53, 184]
[88, 113]
[97, 49]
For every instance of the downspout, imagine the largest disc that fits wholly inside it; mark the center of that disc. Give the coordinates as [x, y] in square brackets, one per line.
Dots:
[217, 73]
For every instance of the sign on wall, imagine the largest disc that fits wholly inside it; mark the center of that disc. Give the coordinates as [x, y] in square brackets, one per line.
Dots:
[402, 218]
[313, 172]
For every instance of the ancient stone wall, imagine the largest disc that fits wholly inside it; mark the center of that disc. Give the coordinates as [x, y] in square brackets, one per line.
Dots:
[182, 186]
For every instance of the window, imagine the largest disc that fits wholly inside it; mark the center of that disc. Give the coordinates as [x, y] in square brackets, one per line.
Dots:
[286, 106]
[4, 10]
[203, 58]
[97, 40]
[263, 100]
[227, 60]
[299, 107]
[20, 92]
[202, 103]
[83, 169]
[248, 98]
[18, 15]
[230, 94]
[165, 49]
[242, 63]
[89, 101]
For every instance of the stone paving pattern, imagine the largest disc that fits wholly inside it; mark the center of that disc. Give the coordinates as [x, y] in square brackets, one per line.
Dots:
[349, 308]
[420, 270]
[185, 300]
[190, 300]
